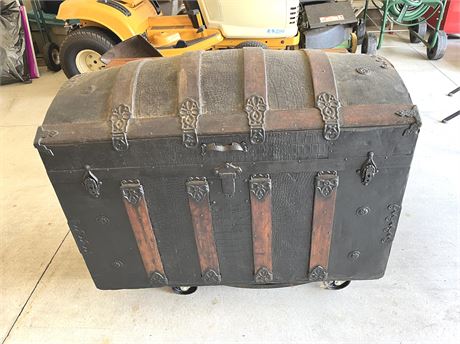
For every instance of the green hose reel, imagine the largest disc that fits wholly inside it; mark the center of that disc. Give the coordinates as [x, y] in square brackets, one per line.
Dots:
[405, 12]
[413, 14]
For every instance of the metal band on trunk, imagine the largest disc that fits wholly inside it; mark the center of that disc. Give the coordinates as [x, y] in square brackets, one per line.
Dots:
[190, 103]
[138, 214]
[255, 92]
[326, 184]
[198, 199]
[325, 91]
[260, 186]
[122, 111]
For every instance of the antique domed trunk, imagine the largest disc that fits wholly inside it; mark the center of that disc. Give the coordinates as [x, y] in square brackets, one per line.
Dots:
[242, 167]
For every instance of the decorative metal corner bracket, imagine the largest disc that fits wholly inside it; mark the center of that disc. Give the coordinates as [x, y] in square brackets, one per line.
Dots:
[329, 107]
[414, 128]
[256, 108]
[43, 135]
[132, 191]
[189, 113]
[120, 117]
[260, 185]
[317, 274]
[197, 188]
[263, 275]
[368, 170]
[327, 182]
[157, 279]
[91, 183]
[211, 276]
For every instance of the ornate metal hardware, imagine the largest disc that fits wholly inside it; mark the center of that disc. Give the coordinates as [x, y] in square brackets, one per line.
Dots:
[102, 220]
[326, 182]
[260, 185]
[363, 70]
[329, 107]
[43, 134]
[120, 121]
[132, 190]
[368, 170]
[414, 128]
[263, 275]
[211, 276]
[189, 113]
[362, 211]
[317, 274]
[354, 255]
[214, 147]
[118, 264]
[197, 188]
[157, 279]
[91, 183]
[227, 173]
[392, 221]
[256, 107]
[383, 62]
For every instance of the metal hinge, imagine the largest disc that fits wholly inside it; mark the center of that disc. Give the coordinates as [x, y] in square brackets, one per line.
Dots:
[189, 113]
[414, 128]
[329, 106]
[120, 121]
[256, 108]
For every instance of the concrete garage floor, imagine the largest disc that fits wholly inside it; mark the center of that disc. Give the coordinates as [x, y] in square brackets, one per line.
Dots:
[47, 295]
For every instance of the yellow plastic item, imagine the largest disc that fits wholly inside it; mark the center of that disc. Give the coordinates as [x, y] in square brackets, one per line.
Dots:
[93, 13]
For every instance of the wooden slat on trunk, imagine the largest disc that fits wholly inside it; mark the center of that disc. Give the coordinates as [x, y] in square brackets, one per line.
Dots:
[198, 198]
[326, 184]
[261, 211]
[138, 214]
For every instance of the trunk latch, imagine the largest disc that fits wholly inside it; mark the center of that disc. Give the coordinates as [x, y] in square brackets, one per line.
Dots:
[227, 173]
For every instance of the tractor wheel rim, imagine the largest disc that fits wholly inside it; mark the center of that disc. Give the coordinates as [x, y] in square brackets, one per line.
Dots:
[88, 60]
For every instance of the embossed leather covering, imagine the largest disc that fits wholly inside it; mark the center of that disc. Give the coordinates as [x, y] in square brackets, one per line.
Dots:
[239, 167]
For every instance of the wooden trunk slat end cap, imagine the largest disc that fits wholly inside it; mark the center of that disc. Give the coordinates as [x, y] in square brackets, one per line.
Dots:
[263, 275]
[157, 279]
[212, 276]
[318, 273]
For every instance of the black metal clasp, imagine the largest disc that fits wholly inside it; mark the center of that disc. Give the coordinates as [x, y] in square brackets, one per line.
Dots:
[368, 170]
[227, 173]
[91, 183]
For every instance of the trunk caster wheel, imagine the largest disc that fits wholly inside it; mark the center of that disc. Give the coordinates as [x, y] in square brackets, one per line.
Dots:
[370, 44]
[184, 290]
[336, 285]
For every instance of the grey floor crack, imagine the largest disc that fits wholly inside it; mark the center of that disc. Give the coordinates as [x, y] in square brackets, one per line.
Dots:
[34, 288]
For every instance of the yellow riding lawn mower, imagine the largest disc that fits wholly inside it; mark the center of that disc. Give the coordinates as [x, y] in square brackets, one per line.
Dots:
[137, 28]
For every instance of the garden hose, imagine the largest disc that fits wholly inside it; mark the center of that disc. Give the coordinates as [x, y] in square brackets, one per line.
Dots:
[406, 12]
